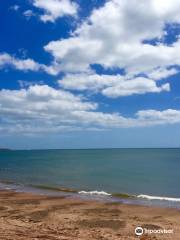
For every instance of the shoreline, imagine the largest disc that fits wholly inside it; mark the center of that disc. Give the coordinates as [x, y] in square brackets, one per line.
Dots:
[141, 199]
[33, 216]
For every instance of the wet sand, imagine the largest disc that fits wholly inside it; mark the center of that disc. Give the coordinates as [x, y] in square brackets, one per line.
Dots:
[24, 216]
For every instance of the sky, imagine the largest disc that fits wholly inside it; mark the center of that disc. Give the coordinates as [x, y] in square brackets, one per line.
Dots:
[89, 74]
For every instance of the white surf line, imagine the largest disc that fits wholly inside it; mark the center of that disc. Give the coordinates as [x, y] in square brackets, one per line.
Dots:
[95, 193]
[159, 198]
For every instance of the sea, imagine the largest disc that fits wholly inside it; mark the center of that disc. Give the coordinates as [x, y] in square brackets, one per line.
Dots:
[132, 176]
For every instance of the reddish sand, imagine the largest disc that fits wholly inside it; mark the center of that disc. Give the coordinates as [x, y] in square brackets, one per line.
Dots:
[25, 216]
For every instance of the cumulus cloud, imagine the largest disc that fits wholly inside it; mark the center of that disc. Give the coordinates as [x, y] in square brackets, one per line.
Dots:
[169, 116]
[161, 73]
[121, 35]
[138, 85]
[116, 35]
[45, 108]
[88, 81]
[112, 85]
[25, 64]
[54, 9]
[41, 108]
[26, 84]
[113, 36]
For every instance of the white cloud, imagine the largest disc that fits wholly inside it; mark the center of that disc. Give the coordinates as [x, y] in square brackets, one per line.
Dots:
[41, 100]
[113, 37]
[25, 64]
[169, 116]
[111, 85]
[28, 14]
[26, 84]
[138, 85]
[46, 109]
[54, 9]
[161, 73]
[89, 81]
[41, 109]
[118, 35]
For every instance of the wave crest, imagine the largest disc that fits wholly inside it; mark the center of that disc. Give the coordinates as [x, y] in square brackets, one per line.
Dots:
[95, 193]
[159, 198]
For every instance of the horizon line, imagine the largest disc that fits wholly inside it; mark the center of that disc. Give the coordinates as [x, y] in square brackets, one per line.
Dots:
[99, 148]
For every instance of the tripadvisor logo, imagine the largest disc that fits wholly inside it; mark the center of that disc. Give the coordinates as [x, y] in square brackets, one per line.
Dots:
[139, 231]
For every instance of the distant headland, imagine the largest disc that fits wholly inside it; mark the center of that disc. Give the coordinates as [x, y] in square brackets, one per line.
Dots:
[5, 149]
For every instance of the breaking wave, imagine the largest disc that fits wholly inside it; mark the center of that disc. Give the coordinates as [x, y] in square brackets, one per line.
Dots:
[95, 193]
[159, 198]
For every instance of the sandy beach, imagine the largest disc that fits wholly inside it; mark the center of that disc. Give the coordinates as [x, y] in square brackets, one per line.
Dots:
[24, 216]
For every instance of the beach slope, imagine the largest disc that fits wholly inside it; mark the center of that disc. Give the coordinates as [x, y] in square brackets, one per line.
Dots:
[24, 216]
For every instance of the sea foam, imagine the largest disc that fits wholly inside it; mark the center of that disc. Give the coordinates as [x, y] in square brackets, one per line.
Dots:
[95, 193]
[159, 198]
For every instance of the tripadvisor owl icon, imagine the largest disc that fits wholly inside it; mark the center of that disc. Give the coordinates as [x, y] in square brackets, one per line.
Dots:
[139, 231]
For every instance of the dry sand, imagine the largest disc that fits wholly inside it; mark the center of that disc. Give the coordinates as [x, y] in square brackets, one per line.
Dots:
[25, 216]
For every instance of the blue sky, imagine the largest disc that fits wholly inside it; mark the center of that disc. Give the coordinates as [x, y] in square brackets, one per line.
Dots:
[82, 74]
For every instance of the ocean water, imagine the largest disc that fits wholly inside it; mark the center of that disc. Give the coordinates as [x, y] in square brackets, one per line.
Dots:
[150, 176]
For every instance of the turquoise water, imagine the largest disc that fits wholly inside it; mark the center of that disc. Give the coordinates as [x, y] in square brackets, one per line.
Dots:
[152, 172]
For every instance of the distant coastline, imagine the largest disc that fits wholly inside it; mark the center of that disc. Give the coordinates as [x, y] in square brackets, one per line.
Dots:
[5, 149]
